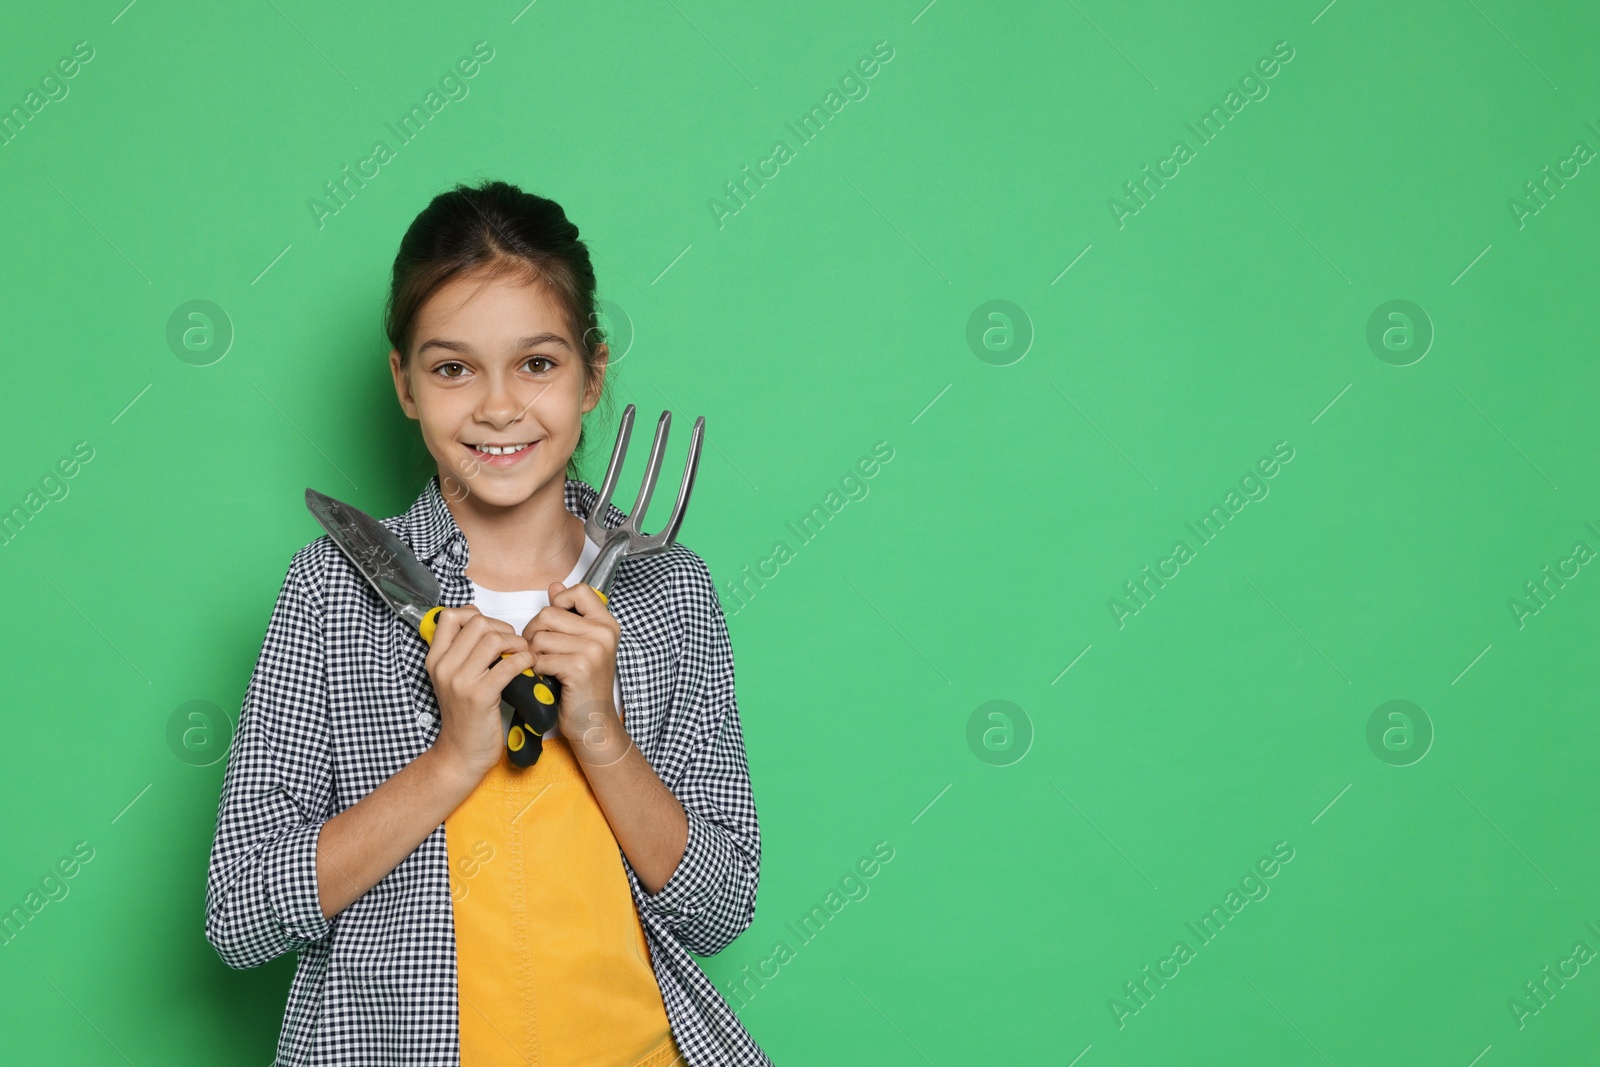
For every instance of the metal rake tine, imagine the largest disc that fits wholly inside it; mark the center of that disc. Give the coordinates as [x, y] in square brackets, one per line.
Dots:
[652, 471]
[596, 521]
[669, 533]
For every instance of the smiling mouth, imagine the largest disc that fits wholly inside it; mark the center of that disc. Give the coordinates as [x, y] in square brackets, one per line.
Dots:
[488, 449]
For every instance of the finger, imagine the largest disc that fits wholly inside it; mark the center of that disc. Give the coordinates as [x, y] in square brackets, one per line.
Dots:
[555, 619]
[491, 653]
[472, 616]
[465, 642]
[581, 598]
[446, 625]
[555, 643]
[553, 665]
[574, 667]
[463, 634]
[493, 644]
[499, 676]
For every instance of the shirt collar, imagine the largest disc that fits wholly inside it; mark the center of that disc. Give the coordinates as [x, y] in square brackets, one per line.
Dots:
[429, 527]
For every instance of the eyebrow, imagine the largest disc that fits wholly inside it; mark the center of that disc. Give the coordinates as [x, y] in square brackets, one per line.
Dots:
[465, 349]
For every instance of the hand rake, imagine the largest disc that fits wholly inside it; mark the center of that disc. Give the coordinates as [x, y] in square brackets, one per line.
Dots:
[524, 736]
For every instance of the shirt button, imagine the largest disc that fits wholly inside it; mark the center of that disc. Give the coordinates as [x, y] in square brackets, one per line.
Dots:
[424, 719]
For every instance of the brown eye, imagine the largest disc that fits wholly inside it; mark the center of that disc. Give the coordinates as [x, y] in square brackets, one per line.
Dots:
[540, 359]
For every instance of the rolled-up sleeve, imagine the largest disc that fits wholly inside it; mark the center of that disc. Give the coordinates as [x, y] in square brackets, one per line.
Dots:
[711, 897]
[261, 890]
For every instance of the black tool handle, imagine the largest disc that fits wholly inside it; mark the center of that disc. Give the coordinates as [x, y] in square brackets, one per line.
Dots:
[536, 709]
[532, 698]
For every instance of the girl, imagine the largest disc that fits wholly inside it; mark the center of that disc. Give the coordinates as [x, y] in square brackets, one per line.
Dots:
[445, 906]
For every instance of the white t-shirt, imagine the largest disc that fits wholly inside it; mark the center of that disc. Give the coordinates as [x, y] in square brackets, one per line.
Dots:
[519, 608]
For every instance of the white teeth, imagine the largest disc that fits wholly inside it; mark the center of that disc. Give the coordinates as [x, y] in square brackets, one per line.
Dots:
[494, 451]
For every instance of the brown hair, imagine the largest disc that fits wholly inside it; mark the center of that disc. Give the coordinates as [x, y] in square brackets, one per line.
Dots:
[491, 230]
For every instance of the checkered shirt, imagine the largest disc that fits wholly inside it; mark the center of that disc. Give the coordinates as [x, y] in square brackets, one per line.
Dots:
[340, 700]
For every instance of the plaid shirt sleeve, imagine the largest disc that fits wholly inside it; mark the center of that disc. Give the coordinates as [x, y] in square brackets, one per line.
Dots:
[261, 891]
[710, 899]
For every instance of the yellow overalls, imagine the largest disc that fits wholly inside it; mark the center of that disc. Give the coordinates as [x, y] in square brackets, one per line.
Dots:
[553, 968]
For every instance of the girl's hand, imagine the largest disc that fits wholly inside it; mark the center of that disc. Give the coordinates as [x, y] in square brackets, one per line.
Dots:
[468, 675]
[580, 651]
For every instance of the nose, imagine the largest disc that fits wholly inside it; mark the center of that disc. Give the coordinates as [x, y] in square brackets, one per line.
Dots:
[501, 405]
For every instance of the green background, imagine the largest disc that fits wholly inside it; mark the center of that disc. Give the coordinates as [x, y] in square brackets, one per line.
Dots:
[1144, 767]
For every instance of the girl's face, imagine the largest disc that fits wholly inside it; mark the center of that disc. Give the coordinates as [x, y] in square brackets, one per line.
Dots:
[494, 363]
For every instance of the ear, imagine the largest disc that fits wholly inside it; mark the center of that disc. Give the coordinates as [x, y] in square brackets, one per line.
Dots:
[591, 396]
[402, 386]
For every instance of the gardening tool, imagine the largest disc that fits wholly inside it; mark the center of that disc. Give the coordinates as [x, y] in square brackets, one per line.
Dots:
[411, 590]
[623, 541]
